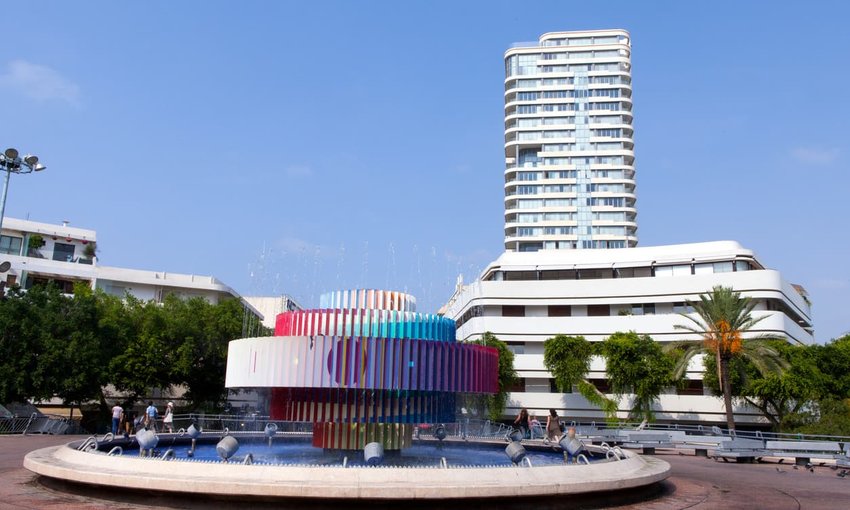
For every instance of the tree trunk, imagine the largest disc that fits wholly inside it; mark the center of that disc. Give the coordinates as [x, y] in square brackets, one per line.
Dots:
[727, 393]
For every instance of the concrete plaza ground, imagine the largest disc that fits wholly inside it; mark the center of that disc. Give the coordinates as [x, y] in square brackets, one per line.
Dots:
[696, 483]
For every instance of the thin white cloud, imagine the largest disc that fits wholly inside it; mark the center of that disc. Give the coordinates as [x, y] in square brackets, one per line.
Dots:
[38, 82]
[815, 155]
[299, 171]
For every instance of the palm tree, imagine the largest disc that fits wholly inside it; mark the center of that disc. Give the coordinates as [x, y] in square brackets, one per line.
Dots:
[722, 316]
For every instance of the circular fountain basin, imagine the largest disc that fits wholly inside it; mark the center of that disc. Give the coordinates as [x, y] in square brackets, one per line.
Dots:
[423, 454]
[418, 475]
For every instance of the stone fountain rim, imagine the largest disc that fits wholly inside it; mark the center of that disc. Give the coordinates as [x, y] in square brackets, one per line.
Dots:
[64, 462]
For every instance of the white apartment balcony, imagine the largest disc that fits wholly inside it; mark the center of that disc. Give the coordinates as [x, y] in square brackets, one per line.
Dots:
[24, 271]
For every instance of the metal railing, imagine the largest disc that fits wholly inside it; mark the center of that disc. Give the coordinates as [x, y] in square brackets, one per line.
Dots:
[235, 423]
[466, 428]
[34, 424]
[683, 434]
[715, 431]
[15, 424]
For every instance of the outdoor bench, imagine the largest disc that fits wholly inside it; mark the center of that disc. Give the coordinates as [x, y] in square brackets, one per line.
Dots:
[741, 449]
[648, 441]
[804, 451]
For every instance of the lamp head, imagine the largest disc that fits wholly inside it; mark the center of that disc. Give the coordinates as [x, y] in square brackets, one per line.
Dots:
[30, 159]
[38, 167]
[11, 153]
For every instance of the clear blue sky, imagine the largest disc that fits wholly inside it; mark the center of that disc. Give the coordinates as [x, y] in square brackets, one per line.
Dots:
[303, 147]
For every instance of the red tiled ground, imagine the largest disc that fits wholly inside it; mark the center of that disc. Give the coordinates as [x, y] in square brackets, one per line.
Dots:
[696, 483]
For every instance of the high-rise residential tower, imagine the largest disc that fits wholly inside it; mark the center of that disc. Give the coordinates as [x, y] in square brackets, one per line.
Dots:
[569, 149]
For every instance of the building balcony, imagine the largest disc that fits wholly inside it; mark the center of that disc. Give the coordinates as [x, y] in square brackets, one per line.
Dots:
[40, 268]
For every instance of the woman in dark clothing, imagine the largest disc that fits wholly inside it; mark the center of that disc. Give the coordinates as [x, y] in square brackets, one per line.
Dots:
[522, 422]
[553, 426]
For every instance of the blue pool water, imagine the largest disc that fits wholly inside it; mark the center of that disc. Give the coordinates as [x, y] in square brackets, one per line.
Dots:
[300, 451]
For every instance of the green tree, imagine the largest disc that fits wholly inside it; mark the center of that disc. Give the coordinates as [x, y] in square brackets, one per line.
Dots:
[144, 362]
[20, 341]
[833, 360]
[722, 316]
[784, 398]
[75, 355]
[204, 331]
[636, 364]
[568, 360]
[829, 416]
[53, 346]
[507, 377]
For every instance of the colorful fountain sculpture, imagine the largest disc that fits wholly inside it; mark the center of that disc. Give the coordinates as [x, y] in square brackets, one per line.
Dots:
[363, 368]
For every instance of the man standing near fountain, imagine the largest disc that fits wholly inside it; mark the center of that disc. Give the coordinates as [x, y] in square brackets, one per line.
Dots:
[117, 413]
[151, 415]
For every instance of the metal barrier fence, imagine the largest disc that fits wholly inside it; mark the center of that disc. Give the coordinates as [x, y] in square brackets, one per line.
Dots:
[34, 424]
[709, 430]
[484, 429]
[237, 423]
[479, 429]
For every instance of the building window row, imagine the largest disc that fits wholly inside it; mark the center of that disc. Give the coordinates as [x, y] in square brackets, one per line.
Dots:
[606, 202]
[564, 94]
[545, 231]
[598, 310]
[558, 216]
[520, 68]
[626, 272]
[572, 55]
[564, 120]
[586, 41]
[473, 311]
[549, 202]
[603, 244]
[570, 174]
[577, 160]
[607, 217]
[556, 82]
[572, 188]
[547, 385]
[528, 109]
[564, 147]
[572, 202]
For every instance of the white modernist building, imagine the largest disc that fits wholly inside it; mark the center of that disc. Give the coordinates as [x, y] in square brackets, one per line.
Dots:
[526, 298]
[272, 306]
[569, 149]
[67, 255]
[569, 188]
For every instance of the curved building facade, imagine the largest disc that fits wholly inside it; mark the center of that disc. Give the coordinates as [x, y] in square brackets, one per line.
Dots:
[526, 298]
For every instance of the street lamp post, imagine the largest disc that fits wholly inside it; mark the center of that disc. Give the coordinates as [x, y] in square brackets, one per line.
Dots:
[11, 163]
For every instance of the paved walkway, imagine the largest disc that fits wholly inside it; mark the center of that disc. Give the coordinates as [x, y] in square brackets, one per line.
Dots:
[697, 483]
